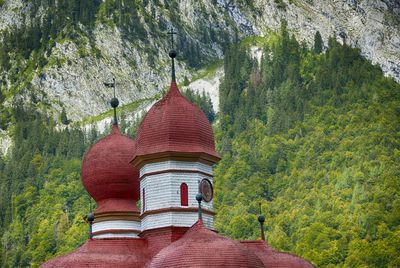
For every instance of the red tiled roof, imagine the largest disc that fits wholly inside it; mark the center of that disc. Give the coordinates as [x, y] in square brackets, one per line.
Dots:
[174, 124]
[201, 247]
[107, 174]
[159, 238]
[116, 253]
[273, 258]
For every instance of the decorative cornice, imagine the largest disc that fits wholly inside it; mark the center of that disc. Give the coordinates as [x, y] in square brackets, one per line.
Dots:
[175, 170]
[168, 229]
[161, 230]
[175, 209]
[141, 160]
[116, 215]
[116, 231]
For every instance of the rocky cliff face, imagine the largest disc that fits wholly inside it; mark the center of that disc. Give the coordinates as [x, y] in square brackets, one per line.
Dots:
[372, 25]
[73, 77]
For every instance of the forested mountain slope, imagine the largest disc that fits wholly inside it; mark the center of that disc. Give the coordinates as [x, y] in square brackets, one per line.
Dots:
[315, 139]
[59, 53]
[64, 50]
[309, 131]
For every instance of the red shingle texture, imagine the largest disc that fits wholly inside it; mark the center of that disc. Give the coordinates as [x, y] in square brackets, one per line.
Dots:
[201, 247]
[157, 239]
[127, 252]
[108, 176]
[273, 258]
[174, 124]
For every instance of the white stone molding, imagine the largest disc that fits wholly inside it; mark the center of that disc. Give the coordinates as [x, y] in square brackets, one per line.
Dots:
[176, 219]
[116, 228]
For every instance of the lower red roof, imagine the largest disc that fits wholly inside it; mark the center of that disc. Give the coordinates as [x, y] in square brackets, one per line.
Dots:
[201, 247]
[198, 247]
[116, 252]
[273, 258]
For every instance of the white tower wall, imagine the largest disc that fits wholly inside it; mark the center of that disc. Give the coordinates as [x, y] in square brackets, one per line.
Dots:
[161, 182]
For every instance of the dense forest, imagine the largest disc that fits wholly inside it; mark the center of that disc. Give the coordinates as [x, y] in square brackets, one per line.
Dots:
[42, 198]
[313, 134]
[314, 138]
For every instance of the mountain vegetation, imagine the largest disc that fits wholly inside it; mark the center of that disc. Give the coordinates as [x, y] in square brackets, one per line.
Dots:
[42, 198]
[315, 139]
[311, 134]
[202, 100]
[46, 43]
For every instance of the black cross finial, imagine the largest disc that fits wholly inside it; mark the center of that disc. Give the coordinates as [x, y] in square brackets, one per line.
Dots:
[114, 86]
[172, 52]
[111, 85]
[172, 32]
[114, 101]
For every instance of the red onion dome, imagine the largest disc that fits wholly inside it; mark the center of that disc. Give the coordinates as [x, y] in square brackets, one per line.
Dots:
[273, 258]
[107, 175]
[201, 247]
[175, 125]
[116, 252]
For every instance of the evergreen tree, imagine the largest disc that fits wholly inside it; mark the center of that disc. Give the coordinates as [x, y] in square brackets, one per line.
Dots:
[4, 58]
[186, 81]
[63, 117]
[318, 43]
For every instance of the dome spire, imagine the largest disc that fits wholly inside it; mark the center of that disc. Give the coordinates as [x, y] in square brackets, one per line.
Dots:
[261, 220]
[172, 52]
[114, 101]
[199, 198]
[90, 219]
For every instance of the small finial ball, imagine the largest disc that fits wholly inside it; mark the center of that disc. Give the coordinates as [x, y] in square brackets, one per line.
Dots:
[114, 102]
[199, 197]
[172, 53]
[261, 218]
[90, 217]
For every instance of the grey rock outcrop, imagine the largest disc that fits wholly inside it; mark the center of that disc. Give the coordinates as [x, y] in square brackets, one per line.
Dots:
[371, 25]
[75, 81]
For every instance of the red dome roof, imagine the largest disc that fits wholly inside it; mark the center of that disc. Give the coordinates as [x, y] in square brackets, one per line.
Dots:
[273, 258]
[116, 252]
[174, 124]
[108, 176]
[201, 247]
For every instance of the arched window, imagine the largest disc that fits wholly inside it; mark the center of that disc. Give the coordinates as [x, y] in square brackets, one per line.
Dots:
[184, 195]
[144, 202]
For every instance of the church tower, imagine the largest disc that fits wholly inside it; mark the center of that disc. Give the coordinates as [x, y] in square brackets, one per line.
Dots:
[175, 153]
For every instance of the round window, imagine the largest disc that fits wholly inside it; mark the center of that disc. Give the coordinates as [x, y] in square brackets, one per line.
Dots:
[206, 190]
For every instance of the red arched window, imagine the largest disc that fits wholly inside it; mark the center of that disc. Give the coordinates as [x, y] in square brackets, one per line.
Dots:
[144, 204]
[184, 195]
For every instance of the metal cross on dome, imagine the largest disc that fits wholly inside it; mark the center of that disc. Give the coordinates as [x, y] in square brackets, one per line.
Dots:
[114, 101]
[172, 53]
[111, 85]
[172, 32]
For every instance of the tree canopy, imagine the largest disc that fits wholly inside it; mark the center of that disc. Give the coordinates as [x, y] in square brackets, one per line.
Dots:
[315, 138]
